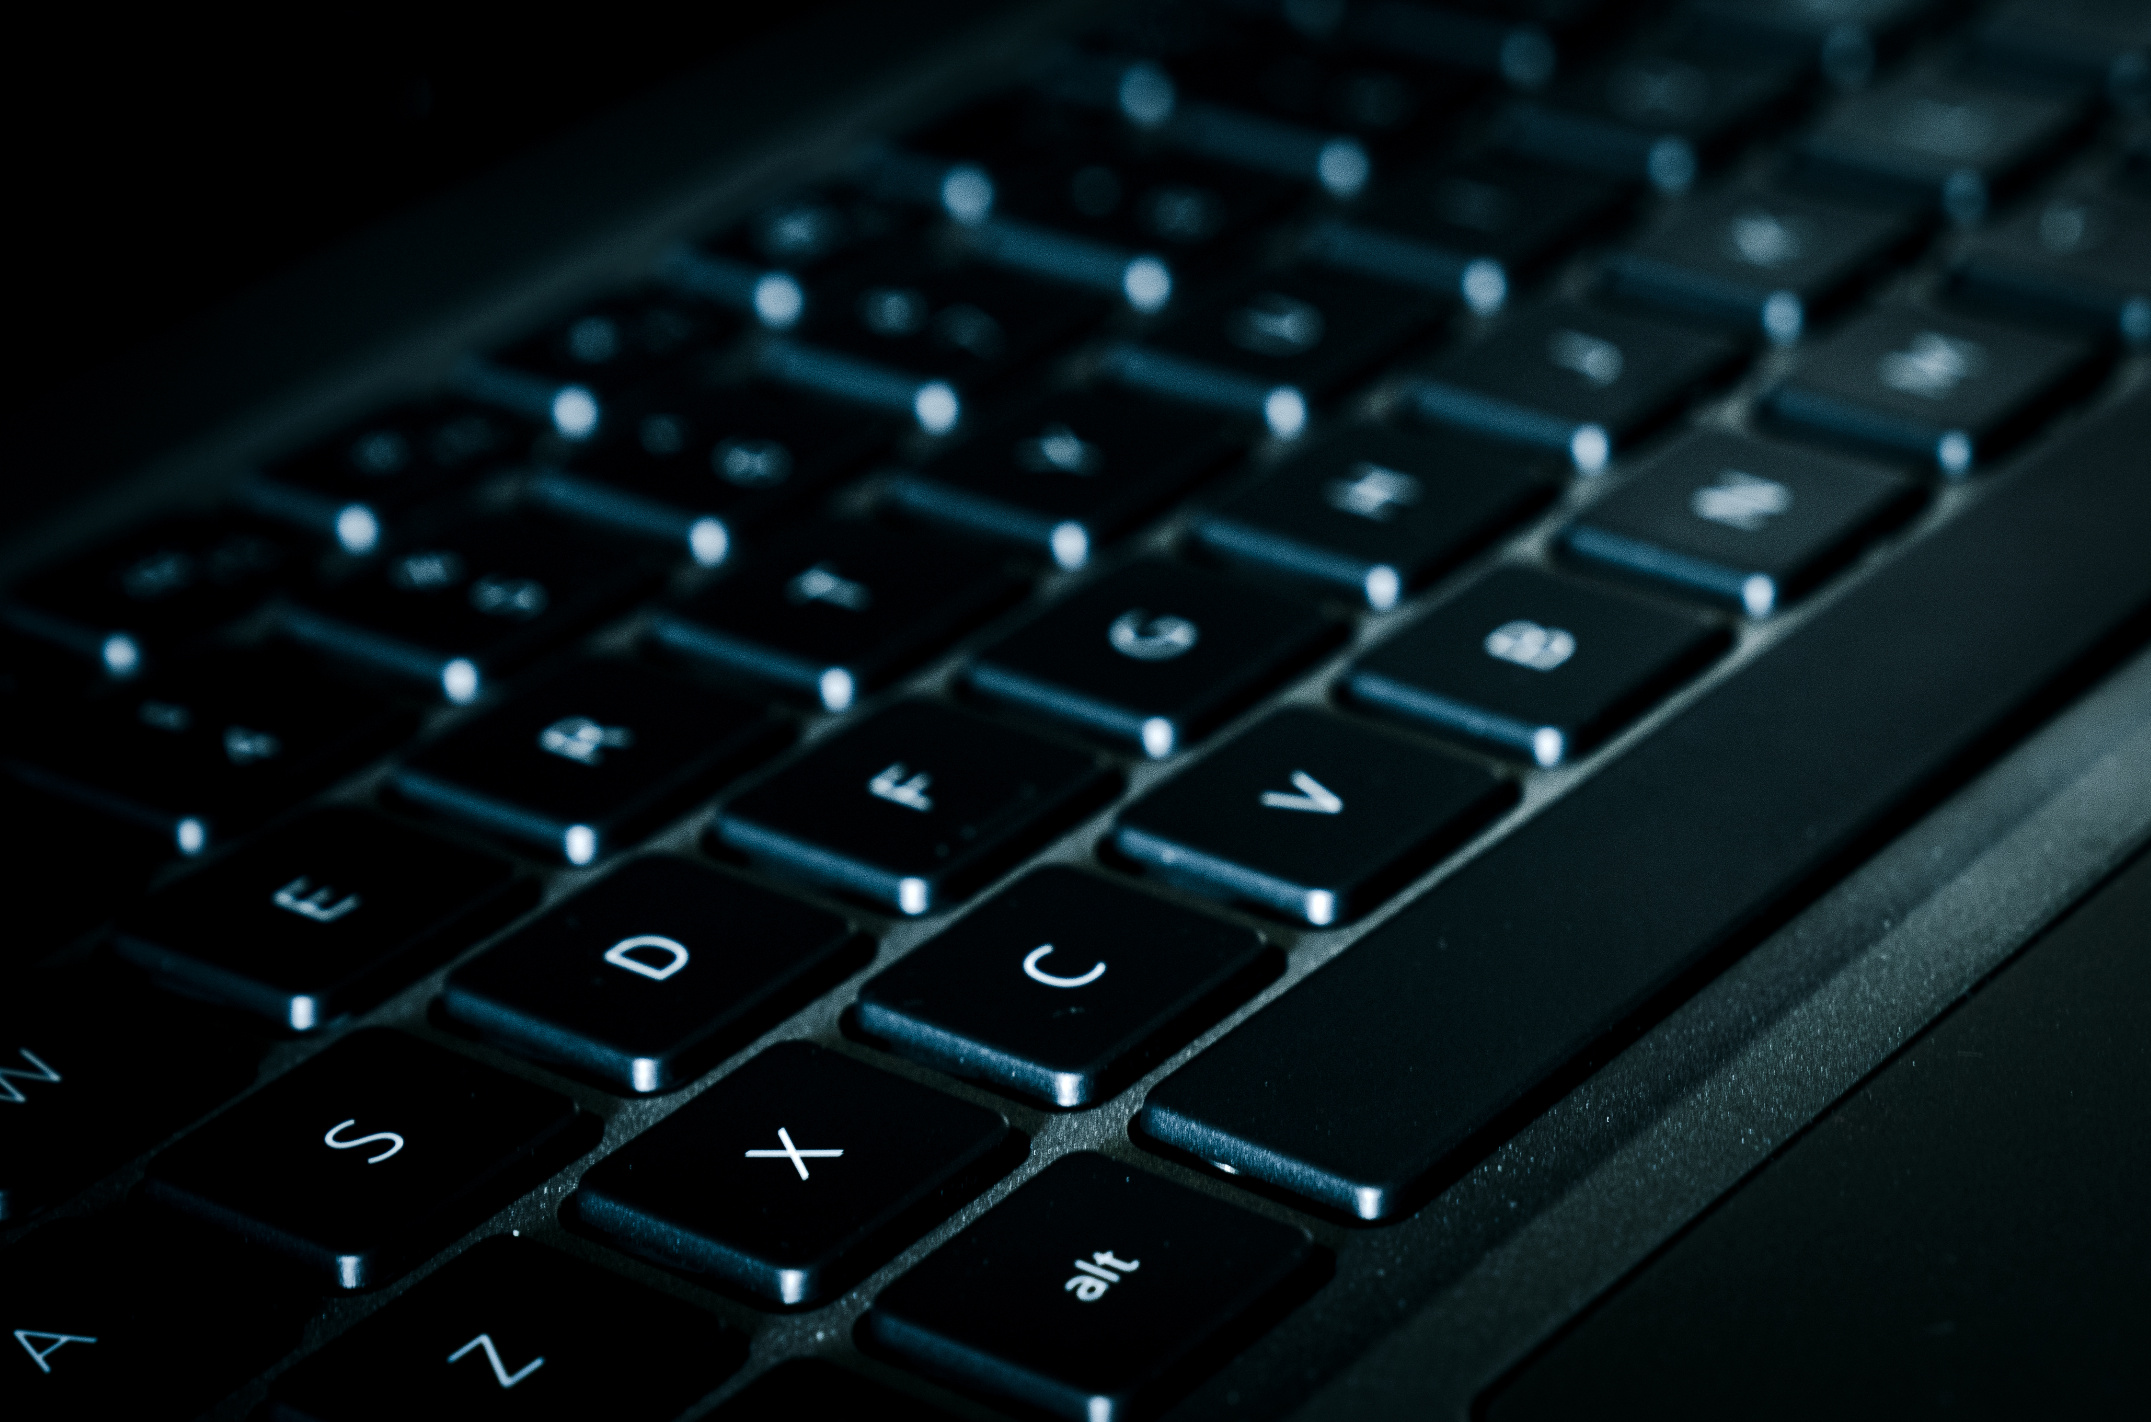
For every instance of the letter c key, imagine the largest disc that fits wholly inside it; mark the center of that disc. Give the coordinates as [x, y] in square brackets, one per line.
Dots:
[1037, 974]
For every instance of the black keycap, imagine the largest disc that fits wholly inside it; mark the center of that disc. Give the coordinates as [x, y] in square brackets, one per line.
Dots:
[34, 673]
[212, 746]
[1535, 666]
[1845, 38]
[361, 1161]
[1153, 656]
[808, 228]
[1511, 40]
[1376, 512]
[509, 1329]
[1146, 97]
[1308, 816]
[128, 1317]
[772, 297]
[970, 325]
[928, 402]
[810, 1387]
[1657, 115]
[1944, 390]
[582, 763]
[839, 610]
[1390, 106]
[913, 808]
[1738, 521]
[77, 868]
[691, 465]
[326, 916]
[1421, 1034]
[1474, 226]
[1938, 142]
[795, 1175]
[1069, 475]
[619, 342]
[151, 591]
[566, 409]
[1277, 342]
[651, 974]
[1573, 379]
[381, 477]
[472, 603]
[1095, 1292]
[1082, 181]
[1758, 260]
[93, 1071]
[1064, 988]
[2081, 259]
[2093, 44]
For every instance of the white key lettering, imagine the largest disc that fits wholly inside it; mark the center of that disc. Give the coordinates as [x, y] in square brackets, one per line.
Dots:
[1741, 500]
[53, 1342]
[158, 575]
[165, 716]
[622, 955]
[1037, 974]
[518, 598]
[395, 1142]
[1372, 492]
[891, 785]
[1762, 239]
[492, 1355]
[820, 583]
[319, 905]
[1529, 645]
[427, 571]
[752, 463]
[1598, 361]
[1057, 450]
[1931, 365]
[1135, 633]
[582, 740]
[1098, 1274]
[1314, 798]
[794, 1154]
[245, 747]
[8, 1090]
[1273, 324]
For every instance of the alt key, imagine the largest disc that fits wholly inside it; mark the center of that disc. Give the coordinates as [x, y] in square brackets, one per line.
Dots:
[1094, 1293]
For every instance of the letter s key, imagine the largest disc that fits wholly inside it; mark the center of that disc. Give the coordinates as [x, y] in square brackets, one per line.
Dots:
[395, 1141]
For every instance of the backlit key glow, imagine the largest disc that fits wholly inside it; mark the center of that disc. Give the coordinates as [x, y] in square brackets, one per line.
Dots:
[778, 301]
[459, 681]
[357, 529]
[1284, 410]
[575, 412]
[936, 407]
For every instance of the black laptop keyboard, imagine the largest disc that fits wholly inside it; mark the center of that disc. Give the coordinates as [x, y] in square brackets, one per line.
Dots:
[677, 839]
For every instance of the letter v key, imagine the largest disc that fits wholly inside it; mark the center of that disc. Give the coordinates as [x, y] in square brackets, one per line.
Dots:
[1314, 798]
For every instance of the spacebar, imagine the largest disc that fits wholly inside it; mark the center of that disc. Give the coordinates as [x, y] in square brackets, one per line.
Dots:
[1356, 1087]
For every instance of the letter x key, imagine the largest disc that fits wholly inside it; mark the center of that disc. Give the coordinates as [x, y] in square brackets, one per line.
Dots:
[798, 1157]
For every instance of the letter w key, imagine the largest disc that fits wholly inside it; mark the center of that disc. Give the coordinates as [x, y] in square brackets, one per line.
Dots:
[492, 1355]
